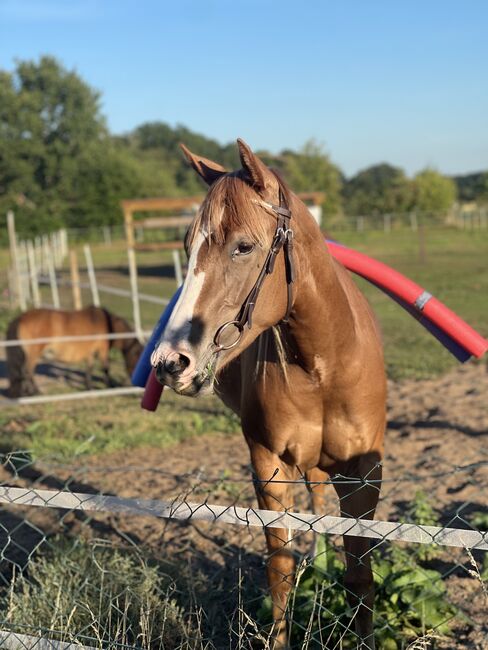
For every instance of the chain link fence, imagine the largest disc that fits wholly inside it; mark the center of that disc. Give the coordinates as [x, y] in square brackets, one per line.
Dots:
[135, 557]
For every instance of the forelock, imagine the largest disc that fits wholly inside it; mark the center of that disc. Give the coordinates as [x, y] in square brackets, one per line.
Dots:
[231, 204]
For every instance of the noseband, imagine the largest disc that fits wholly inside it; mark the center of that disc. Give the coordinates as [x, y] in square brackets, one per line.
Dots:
[282, 239]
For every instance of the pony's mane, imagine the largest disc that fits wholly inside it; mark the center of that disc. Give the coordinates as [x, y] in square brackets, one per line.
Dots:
[232, 204]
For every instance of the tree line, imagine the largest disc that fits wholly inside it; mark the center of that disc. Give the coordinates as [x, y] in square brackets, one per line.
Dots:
[60, 165]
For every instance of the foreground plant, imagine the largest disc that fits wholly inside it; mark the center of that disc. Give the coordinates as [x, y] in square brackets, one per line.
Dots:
[410, 601]
[100, 596]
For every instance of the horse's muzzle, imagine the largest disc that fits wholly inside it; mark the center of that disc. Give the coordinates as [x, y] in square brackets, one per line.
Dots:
[183, 385]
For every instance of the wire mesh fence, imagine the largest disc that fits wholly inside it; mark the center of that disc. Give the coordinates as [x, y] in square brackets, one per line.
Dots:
[131, 556]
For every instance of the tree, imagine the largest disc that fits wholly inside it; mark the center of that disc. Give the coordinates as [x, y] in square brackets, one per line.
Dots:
[380, 189]
[48, 118]
[434, 192]
[472, 187]
[312, 170]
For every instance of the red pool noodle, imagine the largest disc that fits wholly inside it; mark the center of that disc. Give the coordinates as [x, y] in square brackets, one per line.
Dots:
[401, 286]
[152, 393]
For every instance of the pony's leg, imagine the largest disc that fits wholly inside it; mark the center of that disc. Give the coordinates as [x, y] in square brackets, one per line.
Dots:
[108, 380]
[316, 486]
[33, 354]
[280, 566]
[360, 501]
[89, 375]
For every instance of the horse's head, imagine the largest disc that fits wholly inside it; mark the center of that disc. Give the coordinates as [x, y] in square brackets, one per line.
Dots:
[228, 247]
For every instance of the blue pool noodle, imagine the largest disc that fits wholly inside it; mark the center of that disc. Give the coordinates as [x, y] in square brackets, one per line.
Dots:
[143, 367]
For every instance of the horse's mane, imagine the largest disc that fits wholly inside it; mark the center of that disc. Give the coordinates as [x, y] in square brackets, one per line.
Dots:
[232, 204]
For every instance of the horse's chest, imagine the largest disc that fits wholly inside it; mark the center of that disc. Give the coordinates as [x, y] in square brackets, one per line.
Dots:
[288, 423]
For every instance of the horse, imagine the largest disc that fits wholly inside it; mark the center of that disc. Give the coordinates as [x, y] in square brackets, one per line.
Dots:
[269, 321]
[46, 323]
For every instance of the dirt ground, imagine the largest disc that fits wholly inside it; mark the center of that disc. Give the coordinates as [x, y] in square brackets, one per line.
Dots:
[436, 442]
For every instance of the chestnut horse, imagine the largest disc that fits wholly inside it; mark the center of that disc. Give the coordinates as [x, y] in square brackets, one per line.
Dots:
[45, 323]
[277, 327]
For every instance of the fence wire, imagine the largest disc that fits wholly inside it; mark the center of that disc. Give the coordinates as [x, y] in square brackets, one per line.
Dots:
[131, 557]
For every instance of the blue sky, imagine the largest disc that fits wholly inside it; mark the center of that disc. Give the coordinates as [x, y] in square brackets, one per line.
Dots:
[403, 82]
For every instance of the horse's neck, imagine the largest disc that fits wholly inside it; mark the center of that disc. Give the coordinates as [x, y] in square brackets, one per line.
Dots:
[322, 321]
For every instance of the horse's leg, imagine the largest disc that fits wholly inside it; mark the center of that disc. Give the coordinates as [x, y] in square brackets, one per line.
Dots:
[105, 359]
[360, 501]
[316, 486]
[280, 566]
[107, 379]
[89, 374]
[32, 355]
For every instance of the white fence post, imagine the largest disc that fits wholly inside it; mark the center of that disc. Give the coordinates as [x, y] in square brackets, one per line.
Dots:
[31, 256]
[177, 265]
[413, 221]
[107, 238]
[134, 291]
[24, 270]
[12, 236]
[75, 279]
[91, 275]
[52, 274]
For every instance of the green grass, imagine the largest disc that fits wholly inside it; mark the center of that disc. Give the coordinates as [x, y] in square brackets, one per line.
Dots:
[455, 271]
[99, 596]
[61, 431]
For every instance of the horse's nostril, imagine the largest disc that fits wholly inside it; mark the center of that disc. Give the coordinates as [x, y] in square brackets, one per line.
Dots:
[175, 366]
[184, 361]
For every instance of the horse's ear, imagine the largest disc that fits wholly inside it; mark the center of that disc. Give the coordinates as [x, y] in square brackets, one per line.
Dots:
[258, 172]
[207, 169]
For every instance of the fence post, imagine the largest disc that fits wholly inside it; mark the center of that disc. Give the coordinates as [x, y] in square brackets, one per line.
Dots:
[107, 238]
[387, 222]
[12, 298]
[421, 242]
[91, 275]
[52, 274]
[31, 256]
[134, 291]
[12, 236]
[75, 279]
[55, 249]
[24, 270]
[46, 253]
[64, 242]
[131, 257]
[177, 265]
[413, 221]
[38, 252]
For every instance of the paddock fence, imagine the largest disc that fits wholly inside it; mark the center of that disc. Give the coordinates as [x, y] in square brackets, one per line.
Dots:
[131, 556]
[117, 391]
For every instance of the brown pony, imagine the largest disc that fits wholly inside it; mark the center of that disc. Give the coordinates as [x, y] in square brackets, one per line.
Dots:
[305, 375]
[44, 323]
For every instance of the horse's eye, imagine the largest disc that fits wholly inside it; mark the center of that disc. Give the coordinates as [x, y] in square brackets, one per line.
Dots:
[244, 248]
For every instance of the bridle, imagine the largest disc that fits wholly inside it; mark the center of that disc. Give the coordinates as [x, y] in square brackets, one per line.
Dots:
[282, 239]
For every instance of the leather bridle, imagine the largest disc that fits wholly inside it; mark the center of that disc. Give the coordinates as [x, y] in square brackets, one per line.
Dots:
[282, 239]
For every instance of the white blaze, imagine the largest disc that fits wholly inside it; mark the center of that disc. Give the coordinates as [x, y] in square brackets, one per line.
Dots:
[179, 325]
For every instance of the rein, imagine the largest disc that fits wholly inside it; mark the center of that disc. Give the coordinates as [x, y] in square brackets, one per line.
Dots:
[282, 239]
